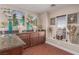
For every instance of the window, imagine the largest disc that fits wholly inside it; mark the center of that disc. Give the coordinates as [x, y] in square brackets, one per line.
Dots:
[61, 22]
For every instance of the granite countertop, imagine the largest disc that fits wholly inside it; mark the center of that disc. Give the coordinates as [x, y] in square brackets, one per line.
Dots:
[9, 41]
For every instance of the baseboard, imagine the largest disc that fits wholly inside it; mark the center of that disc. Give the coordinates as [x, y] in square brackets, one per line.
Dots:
[63, 48]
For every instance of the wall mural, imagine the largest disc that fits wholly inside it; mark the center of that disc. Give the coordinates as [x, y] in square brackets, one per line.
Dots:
[31, 22]
[15, 20]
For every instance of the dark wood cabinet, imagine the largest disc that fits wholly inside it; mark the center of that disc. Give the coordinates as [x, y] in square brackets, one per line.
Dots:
[41, 37]
[30, 38]
[33, 38]
[25, 38]
[12, 51]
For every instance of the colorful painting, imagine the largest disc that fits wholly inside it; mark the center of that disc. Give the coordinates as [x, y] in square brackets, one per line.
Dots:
[31, 22]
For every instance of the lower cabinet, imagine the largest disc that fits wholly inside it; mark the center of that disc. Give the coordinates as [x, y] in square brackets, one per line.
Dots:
[33, 38]
[30, 38]
[42, 37]
[13, 51]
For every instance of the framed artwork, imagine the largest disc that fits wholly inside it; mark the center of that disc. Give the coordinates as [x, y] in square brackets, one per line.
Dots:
[52, 21]
[72, 18]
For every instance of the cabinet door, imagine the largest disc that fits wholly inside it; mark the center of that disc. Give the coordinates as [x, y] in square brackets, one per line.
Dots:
[41, 37]
[25, 38]
[34, 38]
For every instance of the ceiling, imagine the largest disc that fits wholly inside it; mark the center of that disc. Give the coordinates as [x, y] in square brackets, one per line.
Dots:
[37, 8]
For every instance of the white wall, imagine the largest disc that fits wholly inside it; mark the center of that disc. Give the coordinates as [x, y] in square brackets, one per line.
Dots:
[44, 21]
[64, 10]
